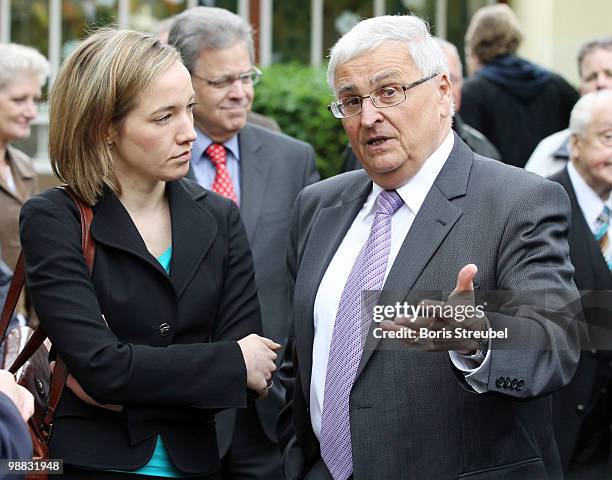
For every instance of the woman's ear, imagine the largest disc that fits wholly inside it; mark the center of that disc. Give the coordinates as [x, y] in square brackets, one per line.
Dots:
[111, 135]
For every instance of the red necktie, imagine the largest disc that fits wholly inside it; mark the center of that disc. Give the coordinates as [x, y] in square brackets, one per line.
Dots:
[223, 183]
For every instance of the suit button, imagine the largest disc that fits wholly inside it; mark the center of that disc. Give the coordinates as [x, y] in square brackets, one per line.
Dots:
[514, 383]
[164, 329]
[580, 408]
[507, 382]
[520, 385]
[499, 382]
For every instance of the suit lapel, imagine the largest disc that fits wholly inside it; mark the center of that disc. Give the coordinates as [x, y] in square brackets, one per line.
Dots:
[254, 168]
[435, 219]
[327, 233]
[113, 226]
[193, 232]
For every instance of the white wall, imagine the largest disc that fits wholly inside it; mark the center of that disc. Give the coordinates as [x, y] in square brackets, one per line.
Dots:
[556, 29]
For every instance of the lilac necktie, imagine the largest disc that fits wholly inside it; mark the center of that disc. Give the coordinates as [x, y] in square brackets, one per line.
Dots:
[352, 320]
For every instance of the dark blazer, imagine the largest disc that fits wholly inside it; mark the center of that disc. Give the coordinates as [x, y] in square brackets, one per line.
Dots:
[15, 443]
[580, 410]
[169, 351]
[412, 415]
[516, 125]
[274, 168]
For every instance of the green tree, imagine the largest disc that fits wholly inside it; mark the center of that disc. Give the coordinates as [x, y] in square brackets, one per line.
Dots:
[297, 97]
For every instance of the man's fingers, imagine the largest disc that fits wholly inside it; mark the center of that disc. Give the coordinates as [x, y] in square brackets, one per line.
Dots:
[465, 279]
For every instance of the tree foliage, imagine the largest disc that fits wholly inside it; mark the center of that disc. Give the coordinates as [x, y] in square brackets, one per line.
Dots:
[297, 96]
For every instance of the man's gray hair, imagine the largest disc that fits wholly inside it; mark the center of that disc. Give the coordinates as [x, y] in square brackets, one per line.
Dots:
[582, 113]
[18, 59]
[407, 29]
[602, 43]
[208, 27]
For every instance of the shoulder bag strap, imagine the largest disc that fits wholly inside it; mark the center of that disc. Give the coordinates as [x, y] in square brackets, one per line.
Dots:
[60, 372]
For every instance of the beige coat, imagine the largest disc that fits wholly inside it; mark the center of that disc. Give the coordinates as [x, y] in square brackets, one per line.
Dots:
[26, 185]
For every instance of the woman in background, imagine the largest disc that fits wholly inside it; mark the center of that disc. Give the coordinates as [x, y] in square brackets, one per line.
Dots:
[23, 72]
[162, 335]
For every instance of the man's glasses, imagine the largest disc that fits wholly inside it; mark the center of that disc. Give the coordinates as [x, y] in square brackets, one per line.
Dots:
[247, 78]
[383, 97]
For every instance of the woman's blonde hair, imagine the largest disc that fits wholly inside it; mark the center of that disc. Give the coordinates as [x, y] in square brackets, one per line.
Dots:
[98, 85]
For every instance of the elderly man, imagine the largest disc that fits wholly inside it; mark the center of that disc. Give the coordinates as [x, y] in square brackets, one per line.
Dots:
[263, 172]
[513, 102]
[595, 70]
[472, 137]
[583, 410]
[425, 215]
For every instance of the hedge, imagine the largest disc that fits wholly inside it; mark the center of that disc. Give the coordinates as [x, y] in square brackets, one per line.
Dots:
[297, 96]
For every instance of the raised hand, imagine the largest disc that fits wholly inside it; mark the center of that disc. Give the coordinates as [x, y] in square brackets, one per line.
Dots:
[446, 325]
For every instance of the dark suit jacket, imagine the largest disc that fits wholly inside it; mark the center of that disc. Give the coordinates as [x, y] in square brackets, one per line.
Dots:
[169, 351]
[15, 443]
[579, 403]
[411, 414]
[274, 168]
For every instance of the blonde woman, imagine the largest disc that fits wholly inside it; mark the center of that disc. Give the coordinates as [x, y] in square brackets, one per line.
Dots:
[163, 334]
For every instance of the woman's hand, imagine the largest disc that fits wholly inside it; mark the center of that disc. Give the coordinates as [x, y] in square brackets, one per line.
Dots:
[259, 357]
[76, 388]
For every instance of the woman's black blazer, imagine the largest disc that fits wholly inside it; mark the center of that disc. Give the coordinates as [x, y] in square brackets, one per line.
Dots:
[163, 346]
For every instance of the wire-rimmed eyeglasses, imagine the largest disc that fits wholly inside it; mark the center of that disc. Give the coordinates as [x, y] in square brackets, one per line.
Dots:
[383, 97]
[251, 77]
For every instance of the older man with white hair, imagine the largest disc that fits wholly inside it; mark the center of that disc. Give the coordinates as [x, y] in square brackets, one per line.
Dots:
[583, 410]
[426, 223]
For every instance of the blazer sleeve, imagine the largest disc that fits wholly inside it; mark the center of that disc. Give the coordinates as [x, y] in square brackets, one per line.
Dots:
[204, 375]
[536, 302]
[15, 443]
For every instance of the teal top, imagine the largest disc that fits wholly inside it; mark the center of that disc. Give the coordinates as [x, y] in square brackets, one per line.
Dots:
[160, 464]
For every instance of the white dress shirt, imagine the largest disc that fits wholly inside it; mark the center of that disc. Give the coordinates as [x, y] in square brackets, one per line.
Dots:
[589, 202]
[330, 290]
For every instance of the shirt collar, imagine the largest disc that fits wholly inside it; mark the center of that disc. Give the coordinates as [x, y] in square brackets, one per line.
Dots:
[413, 193]
[202, 142]
[590, 203]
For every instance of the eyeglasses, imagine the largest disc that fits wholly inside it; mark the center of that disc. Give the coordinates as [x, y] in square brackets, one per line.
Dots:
[383, 97]
[246, 78]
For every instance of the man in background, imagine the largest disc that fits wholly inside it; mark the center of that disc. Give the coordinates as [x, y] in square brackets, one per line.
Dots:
[263, 172]
[595, 70]
[513, 102]
[583, 410]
